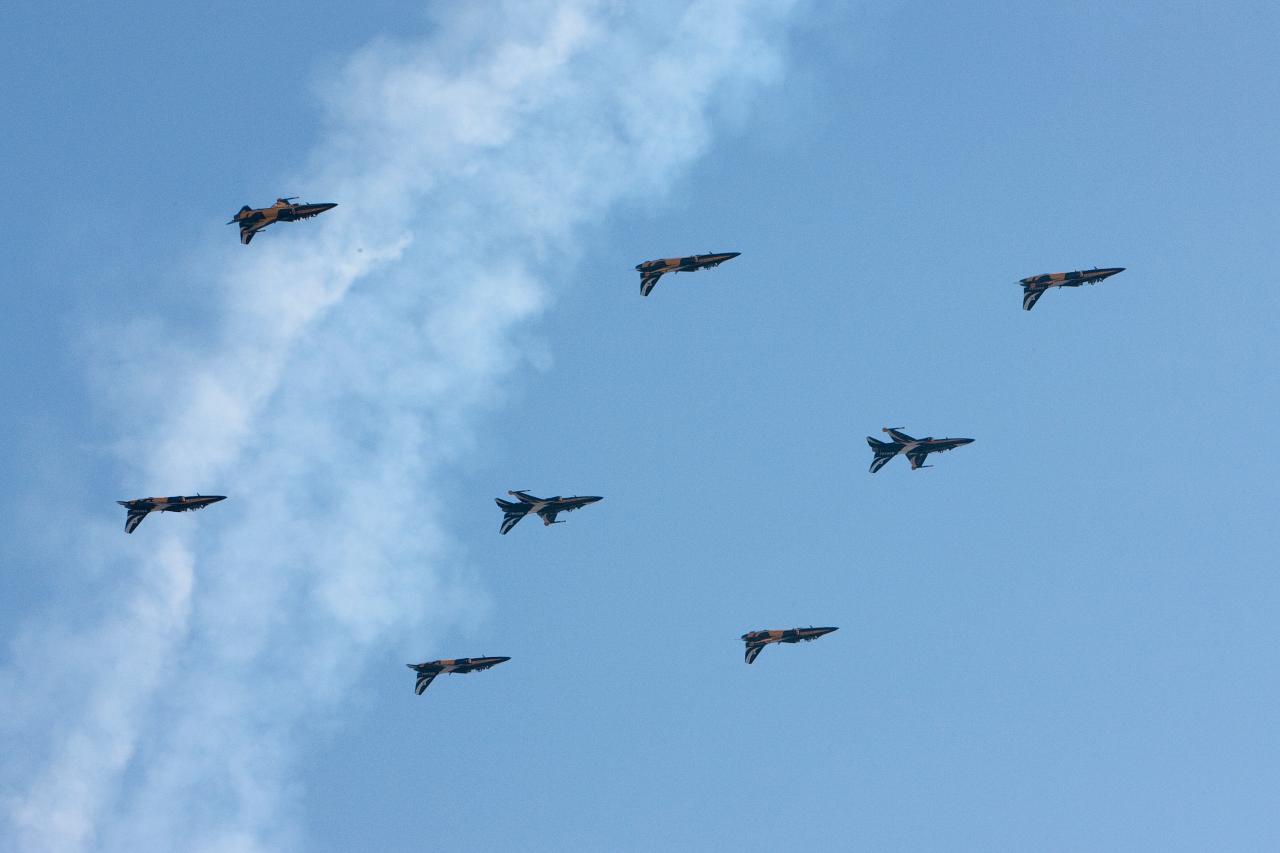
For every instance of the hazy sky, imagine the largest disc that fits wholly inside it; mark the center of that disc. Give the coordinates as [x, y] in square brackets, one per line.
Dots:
[1059, 638]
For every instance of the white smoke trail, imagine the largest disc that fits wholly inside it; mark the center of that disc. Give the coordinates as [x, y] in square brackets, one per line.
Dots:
[351, 355]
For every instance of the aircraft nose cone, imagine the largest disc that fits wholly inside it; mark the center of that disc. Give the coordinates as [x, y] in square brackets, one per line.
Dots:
[213, 499]
[592, 498]
[732, 255]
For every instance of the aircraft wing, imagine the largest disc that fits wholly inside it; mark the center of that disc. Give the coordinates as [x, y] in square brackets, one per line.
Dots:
[424, 681]
[135, 518]
[753, 652]
[246, 234]
[1031, 296]
[917, 458]
[648, 280]
[549, 515]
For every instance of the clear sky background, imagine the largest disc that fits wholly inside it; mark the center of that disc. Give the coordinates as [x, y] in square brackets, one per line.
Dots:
[1062, 637]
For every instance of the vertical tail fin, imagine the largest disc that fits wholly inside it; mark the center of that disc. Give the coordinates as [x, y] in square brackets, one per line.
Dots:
[511, 514]
[883, 451]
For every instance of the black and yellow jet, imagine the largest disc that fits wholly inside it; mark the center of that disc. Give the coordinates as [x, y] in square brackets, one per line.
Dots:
[251, 220]
[138, 509]
[428, 671]
[651, 271]
[1033, 287]
[546, 508]
[757, 640]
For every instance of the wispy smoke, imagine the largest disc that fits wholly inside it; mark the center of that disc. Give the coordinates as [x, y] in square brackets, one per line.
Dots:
[350, 356]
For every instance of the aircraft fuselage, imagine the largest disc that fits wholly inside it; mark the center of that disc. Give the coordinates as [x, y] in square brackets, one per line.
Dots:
[688, 263]
[787, 635]
[1069, 279]
[757, 640]
[457, 665]
[177, 503]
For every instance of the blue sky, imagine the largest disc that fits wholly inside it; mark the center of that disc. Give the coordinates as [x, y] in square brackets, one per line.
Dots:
[1061, 637]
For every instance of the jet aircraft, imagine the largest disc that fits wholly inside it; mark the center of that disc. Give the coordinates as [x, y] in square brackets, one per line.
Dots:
[428, 671]
[139, 508]
[651, 271]
[252, 220]
[547, 508]
[1034, 286]
[757, 640]
[915, 449]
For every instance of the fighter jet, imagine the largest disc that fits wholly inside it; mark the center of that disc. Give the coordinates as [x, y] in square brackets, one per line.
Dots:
[139, 508]
[1035, 286]
[548, 508]
[251, 220]
[757, 640]
[428, 671]
[651, 271]
[915, 449]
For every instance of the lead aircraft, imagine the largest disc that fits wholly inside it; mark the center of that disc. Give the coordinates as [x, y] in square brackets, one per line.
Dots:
[429, 670]
[1033, 287]
[252, 220]
[757, 640]
[546, 508]
[651, 271]
[138, 509]
[915, 449]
